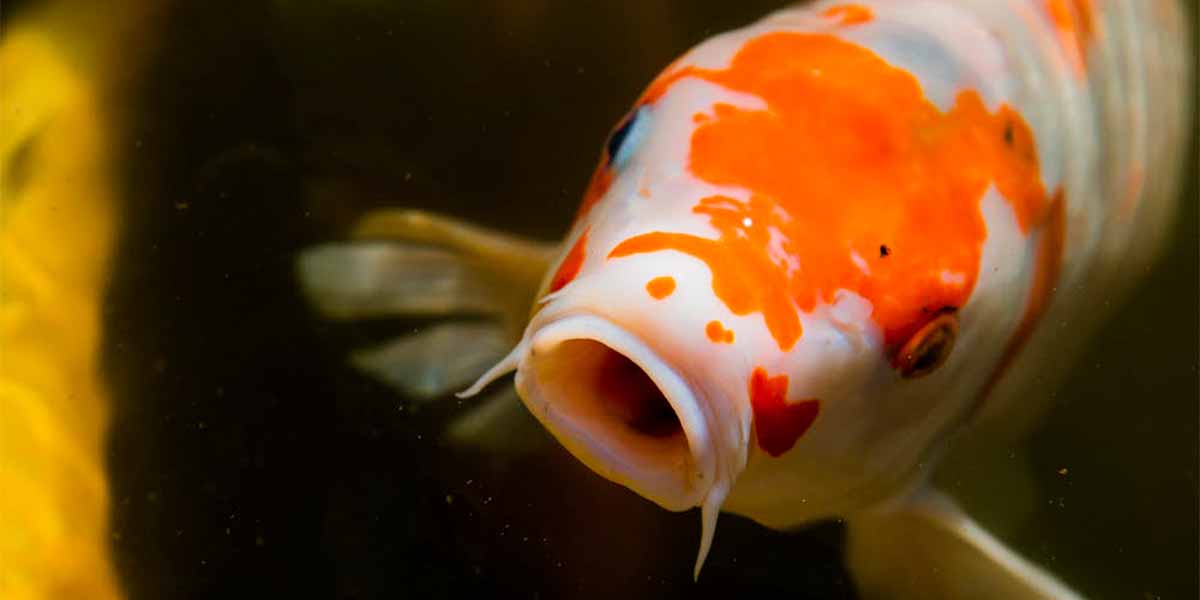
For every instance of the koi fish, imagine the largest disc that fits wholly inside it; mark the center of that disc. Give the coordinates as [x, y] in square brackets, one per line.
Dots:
[815, 252]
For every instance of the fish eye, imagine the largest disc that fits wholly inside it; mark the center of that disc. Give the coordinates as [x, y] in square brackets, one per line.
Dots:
[928, 348]
[625, 138]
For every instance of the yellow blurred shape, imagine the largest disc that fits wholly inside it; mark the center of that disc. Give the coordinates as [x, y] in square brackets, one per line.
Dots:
[56, 237]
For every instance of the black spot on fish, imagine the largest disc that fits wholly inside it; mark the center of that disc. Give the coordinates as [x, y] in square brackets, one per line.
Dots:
[884, 251]
[1008, 133]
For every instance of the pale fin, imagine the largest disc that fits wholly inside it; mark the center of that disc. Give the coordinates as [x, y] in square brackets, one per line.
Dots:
[500, 427]
[376, 279]
[709, 511]
[926, 547]
[518, 258]
[406, 264]
[437, 360]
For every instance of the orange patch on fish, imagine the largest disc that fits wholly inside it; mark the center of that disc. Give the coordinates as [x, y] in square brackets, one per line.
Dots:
[660, 287]
[717, 333]
[571, 264]
[848, 155]
[1073, 23]
[743, 275]
[850, 14]
[777, 422]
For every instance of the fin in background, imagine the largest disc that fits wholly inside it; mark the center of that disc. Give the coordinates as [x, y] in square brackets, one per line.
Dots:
[926, 547]
[471, 287]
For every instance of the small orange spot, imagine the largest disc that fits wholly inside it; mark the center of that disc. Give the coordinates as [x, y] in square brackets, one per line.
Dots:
[660, 287]
[571, 264]
[850, 14]
[644, 192]
[777, 422]
[838, 166]
[717, 333]
[699, 117]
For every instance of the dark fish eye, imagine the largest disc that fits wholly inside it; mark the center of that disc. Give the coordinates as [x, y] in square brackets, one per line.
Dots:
[616, 150]
[928, 348]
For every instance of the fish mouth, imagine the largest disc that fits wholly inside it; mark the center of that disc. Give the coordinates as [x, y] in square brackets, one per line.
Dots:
[619, 408]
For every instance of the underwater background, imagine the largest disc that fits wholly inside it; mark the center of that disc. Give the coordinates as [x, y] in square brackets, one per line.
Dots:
[241, 456]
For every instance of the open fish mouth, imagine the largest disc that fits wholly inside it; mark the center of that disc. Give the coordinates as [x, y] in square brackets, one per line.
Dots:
[620, 408]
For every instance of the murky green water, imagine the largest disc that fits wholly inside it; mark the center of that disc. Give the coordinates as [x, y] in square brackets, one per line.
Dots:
[246, 458]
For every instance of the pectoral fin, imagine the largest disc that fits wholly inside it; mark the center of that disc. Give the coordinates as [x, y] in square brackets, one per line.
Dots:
[435, 360]
[500, 426]
[927, 547]
[409, 263]
[373, 280]
[466, 288]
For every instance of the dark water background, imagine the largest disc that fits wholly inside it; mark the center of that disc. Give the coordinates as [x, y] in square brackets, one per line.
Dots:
[247, 460]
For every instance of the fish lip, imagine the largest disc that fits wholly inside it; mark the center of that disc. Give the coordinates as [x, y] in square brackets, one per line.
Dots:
[600, 452]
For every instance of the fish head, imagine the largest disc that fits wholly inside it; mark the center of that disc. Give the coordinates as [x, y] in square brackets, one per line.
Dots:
[782, 291]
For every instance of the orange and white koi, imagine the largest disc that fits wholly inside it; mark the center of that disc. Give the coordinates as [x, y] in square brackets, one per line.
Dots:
[819, 246]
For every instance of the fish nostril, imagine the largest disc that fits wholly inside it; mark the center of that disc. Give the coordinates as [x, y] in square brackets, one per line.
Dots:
[630, 396]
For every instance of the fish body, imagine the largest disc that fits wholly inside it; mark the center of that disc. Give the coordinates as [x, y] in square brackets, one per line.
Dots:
[819, 247]
[791, 204]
